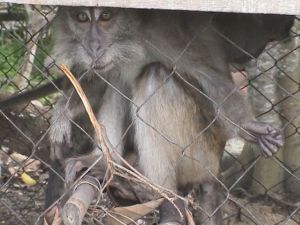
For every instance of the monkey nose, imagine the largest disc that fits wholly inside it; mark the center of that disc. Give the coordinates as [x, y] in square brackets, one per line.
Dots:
[95, 48]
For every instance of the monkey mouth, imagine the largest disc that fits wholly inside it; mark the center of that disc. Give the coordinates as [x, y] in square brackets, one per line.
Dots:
[102, 67]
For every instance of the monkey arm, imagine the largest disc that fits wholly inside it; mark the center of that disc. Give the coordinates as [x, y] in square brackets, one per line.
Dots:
[234, 113]
[240, 121]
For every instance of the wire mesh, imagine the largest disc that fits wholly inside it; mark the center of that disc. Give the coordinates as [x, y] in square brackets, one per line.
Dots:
[48, 141]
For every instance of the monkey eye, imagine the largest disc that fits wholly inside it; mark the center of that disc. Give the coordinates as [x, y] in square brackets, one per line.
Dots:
[106, 15]
[82, 17]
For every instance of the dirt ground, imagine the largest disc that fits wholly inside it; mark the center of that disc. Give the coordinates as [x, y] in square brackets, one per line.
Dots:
[23, 204]
[20, 203]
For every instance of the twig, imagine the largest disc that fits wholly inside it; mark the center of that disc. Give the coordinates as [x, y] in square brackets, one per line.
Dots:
[76, 207]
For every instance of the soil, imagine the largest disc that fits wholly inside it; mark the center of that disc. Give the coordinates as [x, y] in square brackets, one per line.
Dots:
[24, 204]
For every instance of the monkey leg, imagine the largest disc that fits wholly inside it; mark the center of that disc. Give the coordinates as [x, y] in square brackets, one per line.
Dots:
[113, 116]
[208, 198]
[157, 156]
[173, 150]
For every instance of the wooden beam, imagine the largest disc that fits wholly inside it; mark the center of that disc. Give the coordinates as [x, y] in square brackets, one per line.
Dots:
[291, 7]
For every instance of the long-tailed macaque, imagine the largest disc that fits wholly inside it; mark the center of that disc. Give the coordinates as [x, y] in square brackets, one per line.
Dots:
[174, 67]
[244, 37]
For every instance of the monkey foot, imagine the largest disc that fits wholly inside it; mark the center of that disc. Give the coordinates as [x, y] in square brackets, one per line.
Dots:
[267, 137]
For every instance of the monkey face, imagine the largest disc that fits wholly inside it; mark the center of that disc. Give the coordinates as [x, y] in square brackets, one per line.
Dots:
[96, 38]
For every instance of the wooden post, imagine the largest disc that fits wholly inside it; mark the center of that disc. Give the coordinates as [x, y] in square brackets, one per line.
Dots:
[291, 7]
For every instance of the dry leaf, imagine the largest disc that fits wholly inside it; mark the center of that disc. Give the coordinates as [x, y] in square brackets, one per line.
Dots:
[126, 215]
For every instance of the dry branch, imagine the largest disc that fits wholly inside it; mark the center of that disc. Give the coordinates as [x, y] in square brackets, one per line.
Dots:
[76, 207]
[291, 7]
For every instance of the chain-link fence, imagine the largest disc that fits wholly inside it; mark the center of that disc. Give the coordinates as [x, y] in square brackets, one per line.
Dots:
[168, 89]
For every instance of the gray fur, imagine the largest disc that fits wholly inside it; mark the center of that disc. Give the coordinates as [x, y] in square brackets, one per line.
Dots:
[197, 109]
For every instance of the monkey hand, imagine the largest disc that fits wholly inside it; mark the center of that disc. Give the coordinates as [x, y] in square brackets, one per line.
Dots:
[75, 165]
[267, 137]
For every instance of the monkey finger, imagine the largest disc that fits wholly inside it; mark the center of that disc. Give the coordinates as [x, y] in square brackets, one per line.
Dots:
[259, 128]
[264, 149]
[272, 147]
[275, 140]
[248, 136]
[268, 148]
[280, 137]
